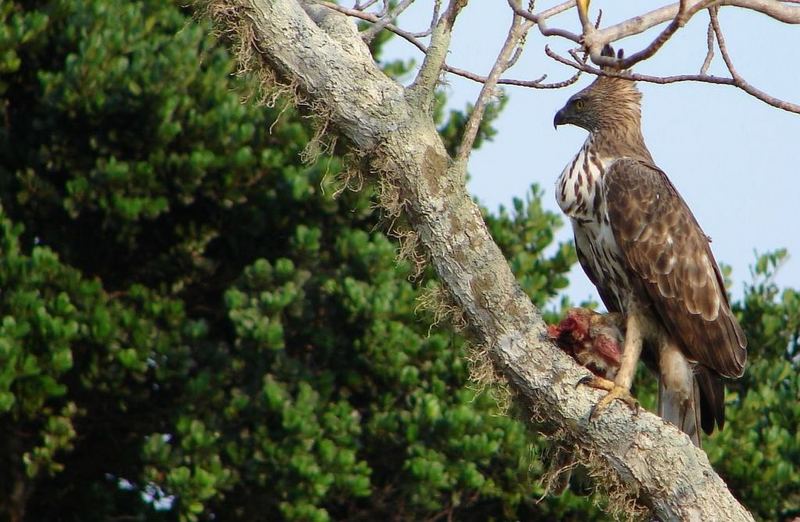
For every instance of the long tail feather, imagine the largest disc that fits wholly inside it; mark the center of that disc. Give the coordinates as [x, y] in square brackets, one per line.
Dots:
[681, 411]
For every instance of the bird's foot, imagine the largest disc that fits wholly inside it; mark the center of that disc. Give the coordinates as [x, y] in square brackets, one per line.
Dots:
[615, 392]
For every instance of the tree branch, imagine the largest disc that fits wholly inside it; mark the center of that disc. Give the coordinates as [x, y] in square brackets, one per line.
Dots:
[370, 33]
[424, 87]
[702, 78]
[680, 13]
[738, 81]
[595, 39]
[540, 19]
[639, 24]
[709, 47]
[656, 463]
[370, 17]
[412, 38]
[506, 58]
[723, 47]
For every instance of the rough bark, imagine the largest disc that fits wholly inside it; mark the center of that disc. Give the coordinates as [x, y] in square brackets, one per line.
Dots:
[320, 52]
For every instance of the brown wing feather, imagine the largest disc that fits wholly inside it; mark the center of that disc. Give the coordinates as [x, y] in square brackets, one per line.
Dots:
[670, 256]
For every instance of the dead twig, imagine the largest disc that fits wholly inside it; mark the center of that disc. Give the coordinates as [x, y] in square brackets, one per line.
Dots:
[710, 46]
[505, 59]
[360, 7]
[437, 4]
[539, 19]
[723, 47]
[738, 81]
[385, 20]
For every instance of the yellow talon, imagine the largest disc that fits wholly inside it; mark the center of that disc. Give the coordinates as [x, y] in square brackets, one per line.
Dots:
[615, 392]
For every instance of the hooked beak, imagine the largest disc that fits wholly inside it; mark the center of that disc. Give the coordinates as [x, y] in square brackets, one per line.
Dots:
[559, 119]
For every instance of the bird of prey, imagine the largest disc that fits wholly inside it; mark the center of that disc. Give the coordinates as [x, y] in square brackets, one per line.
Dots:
[643, 249]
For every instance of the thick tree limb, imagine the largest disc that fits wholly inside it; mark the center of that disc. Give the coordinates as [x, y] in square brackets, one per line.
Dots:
[423, 90]
[655, 462]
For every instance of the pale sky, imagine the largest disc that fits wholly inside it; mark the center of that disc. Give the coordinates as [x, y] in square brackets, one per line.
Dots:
[733, 158]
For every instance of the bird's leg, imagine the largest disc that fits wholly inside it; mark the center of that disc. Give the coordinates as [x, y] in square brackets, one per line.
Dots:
[678, 395]
[620, 388]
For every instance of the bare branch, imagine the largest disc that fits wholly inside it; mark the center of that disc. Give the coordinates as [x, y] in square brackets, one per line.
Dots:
[679, 13]
[558, 85]
[677, 22]
[583, 16]
[598, 37]
[437, 4]
[723, 47]
[740, 82]
[710, 47]
[539, 19]
[385, 20]
[411, 38]
[639, 24]
[593, 40]
[371, 17]
[384, 10]
[777, 10]
[505, 59]
[360, 7]
[534, 84]
[425, 84]
[702, 78]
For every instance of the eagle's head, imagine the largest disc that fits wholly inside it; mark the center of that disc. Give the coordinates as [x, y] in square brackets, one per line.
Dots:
[609, 102]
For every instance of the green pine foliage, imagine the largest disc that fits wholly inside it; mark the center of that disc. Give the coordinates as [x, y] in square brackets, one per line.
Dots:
[192, 327]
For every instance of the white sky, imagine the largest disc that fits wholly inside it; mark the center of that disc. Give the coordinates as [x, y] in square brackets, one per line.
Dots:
[732, 157]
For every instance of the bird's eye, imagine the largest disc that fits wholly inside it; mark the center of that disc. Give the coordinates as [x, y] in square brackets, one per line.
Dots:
[580, 104]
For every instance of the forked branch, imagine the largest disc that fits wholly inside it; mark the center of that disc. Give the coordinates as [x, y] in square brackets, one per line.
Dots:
[593, 39]
[424, 85]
